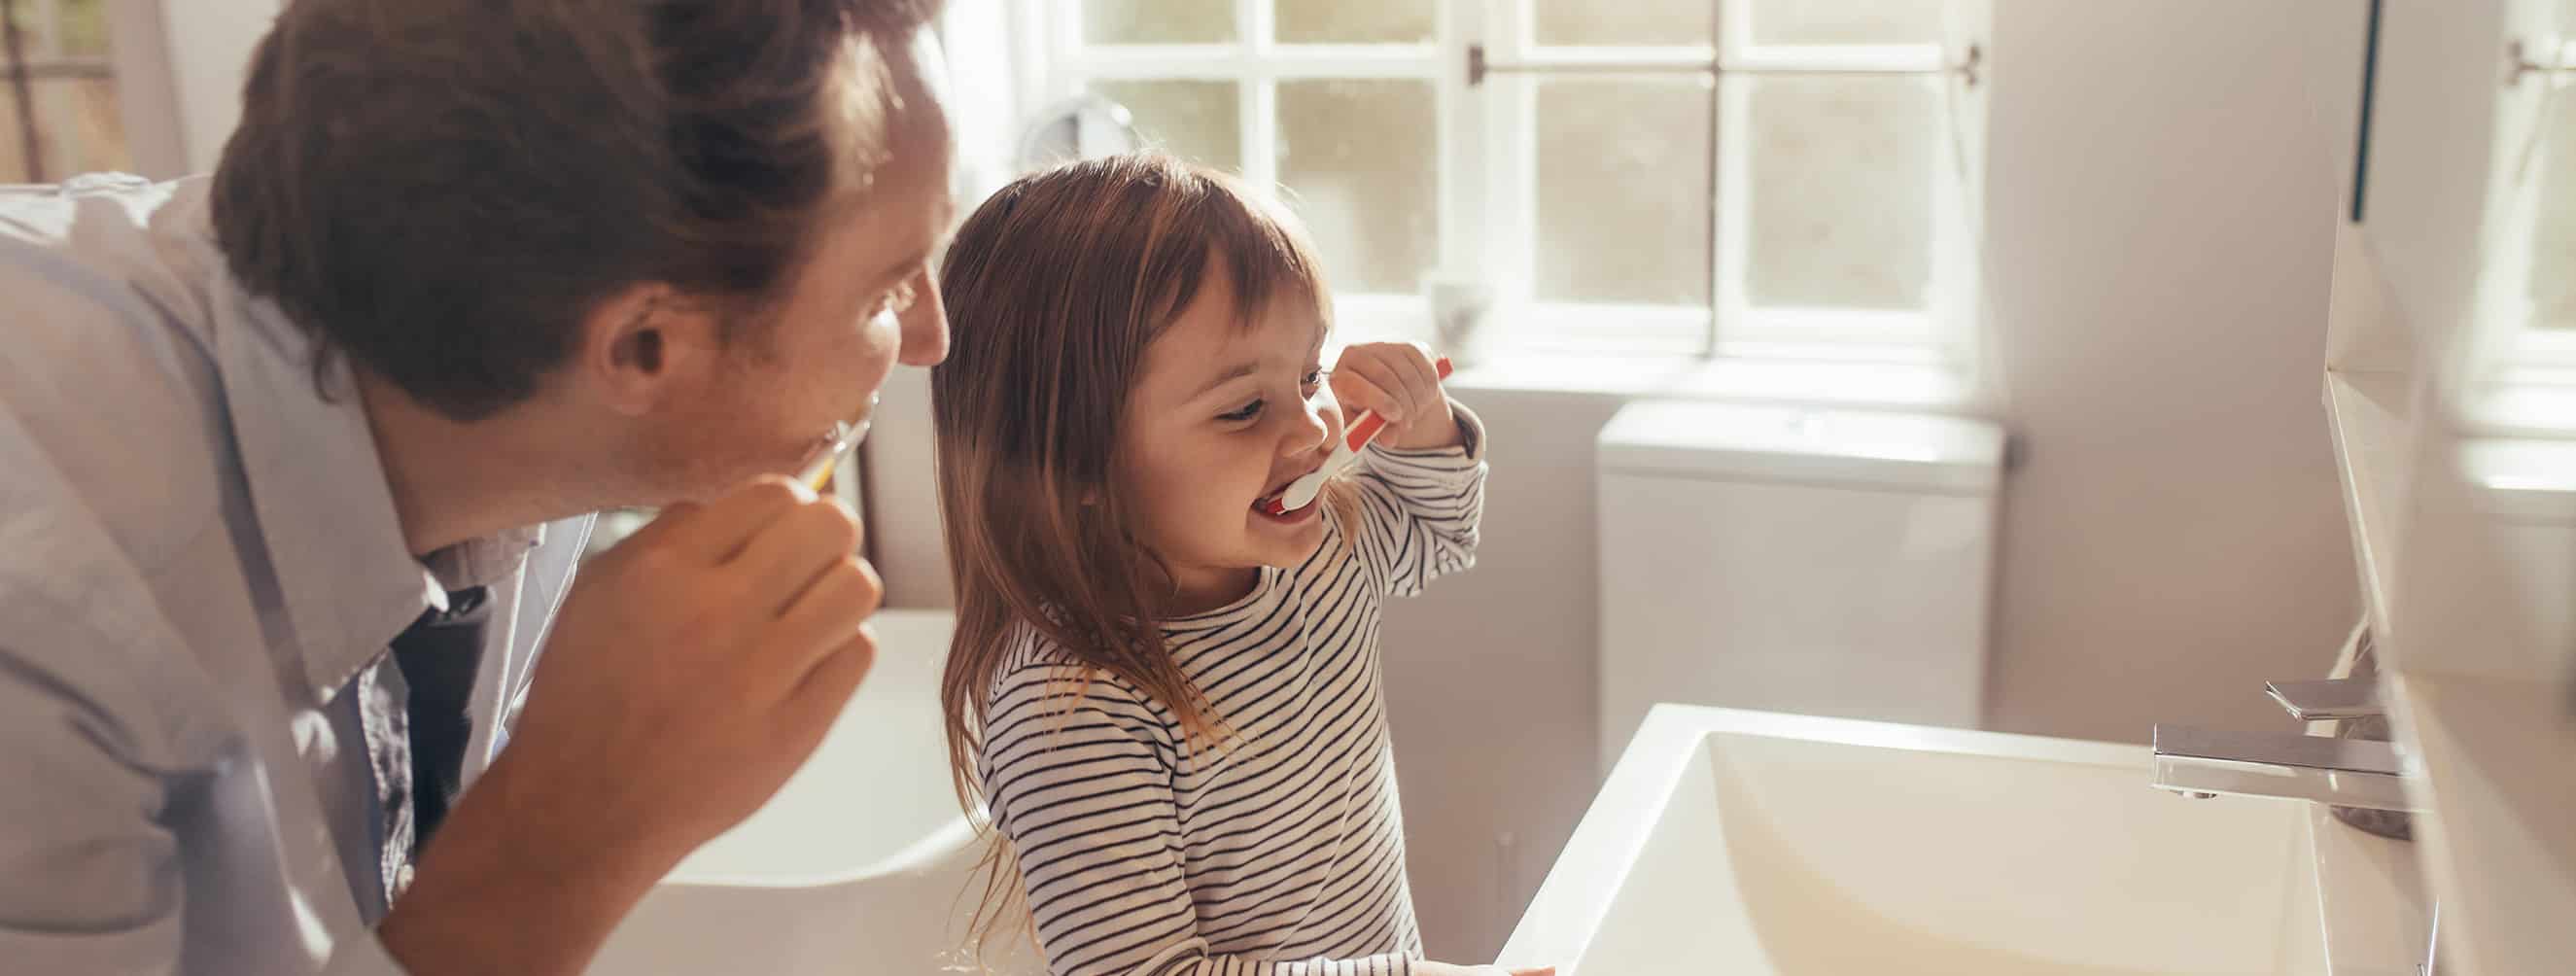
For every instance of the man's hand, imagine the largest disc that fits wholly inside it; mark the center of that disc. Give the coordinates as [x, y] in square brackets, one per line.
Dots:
[691, 671]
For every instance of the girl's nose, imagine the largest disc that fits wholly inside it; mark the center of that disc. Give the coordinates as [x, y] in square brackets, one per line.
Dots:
[1314, 428]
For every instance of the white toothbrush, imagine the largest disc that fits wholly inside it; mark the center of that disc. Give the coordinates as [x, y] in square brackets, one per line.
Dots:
[1301, 492]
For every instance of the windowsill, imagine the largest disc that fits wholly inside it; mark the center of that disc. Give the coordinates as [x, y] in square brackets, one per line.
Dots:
[2529, 401]
[1866, 385]
[1647, 352]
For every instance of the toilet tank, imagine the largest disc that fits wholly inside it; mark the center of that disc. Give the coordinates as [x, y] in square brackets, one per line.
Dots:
[1822, 562]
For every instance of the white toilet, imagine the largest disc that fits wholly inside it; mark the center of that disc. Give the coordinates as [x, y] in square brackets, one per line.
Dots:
[1794, 560]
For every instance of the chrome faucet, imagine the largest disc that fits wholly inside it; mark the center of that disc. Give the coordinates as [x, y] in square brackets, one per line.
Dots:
[2338, 698]
[2287, 765]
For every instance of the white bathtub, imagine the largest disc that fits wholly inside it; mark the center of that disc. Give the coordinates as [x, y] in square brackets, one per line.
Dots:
[1751, 843]
[855, 867]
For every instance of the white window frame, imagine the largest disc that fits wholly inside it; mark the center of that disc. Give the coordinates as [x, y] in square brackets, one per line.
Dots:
[1952, 248]
[1486, 214]
[1256, 64]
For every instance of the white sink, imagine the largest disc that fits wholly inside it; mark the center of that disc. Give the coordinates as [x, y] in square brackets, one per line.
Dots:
[859, 865]
[1750, 843]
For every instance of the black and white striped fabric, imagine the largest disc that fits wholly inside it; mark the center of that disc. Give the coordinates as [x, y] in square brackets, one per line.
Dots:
[1281, 850]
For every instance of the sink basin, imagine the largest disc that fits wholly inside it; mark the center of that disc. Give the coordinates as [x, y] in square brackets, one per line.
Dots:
[859, 865]
[1750, 843]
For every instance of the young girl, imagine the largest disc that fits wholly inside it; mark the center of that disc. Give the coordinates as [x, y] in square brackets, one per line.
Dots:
[1167, 698]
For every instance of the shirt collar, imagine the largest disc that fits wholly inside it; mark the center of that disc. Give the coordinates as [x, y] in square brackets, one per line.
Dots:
[348, 582]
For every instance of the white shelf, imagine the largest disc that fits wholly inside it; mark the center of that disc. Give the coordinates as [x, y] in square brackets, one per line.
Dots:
[2368, 412]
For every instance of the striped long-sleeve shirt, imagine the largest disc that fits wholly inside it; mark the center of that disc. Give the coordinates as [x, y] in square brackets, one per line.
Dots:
[1281, 851]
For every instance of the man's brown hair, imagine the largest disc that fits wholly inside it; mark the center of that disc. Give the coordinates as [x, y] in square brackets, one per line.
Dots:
[441, 189]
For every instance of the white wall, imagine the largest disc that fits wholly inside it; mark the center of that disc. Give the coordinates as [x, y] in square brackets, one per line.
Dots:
[179, 69]
[903, 498]
[2164, 195]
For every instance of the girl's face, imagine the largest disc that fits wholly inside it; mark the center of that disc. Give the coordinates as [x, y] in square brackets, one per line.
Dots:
[1223, 417]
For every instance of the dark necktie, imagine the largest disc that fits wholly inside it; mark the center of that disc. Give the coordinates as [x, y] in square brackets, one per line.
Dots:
[439, 656]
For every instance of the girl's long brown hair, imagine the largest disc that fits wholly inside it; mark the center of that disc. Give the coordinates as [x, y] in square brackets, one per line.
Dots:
[1055, 286]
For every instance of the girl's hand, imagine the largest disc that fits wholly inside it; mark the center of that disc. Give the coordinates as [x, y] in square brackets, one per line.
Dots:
[1400, 382]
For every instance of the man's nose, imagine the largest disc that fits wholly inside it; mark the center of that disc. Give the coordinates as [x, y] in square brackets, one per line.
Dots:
[925, 327]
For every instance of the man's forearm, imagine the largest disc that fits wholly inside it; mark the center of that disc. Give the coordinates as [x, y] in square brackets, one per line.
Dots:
[509, 886]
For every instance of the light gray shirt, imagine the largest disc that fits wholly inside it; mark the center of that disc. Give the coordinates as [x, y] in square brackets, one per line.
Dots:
[200, 571]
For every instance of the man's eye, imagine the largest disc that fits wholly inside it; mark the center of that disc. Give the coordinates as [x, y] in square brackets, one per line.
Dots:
[1249, 411]
[894, 299]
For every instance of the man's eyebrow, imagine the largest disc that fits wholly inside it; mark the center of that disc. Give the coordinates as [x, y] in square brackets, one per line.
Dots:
[898, 270]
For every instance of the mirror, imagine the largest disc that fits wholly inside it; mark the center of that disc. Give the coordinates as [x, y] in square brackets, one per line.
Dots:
[2520, 373]
[2452, 387]
[2466, 171]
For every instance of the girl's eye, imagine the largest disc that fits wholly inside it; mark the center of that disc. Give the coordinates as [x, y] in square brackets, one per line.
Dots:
[1314, 380]
[1249, 411]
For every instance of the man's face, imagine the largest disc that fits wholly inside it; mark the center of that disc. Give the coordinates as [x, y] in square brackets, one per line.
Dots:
[866, 301]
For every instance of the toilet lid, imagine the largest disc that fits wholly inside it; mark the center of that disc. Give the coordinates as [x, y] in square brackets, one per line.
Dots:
[1798, 445]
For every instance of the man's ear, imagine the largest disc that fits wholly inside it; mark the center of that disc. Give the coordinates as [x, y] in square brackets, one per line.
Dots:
[644, 341]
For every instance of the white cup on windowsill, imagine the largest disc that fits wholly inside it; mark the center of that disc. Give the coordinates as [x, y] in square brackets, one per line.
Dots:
[1462, 308]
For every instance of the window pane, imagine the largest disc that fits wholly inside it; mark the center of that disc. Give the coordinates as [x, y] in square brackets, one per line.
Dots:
[1624, 22]
[13, 145]
[1200, 121]
[1846, 21]
[1355, 22]
[84, 27]
[2553, 241]
[1623, 191]
[88, 133]
[77, 130]
[1359, 160]
[1157, 22]
[1840, 200]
